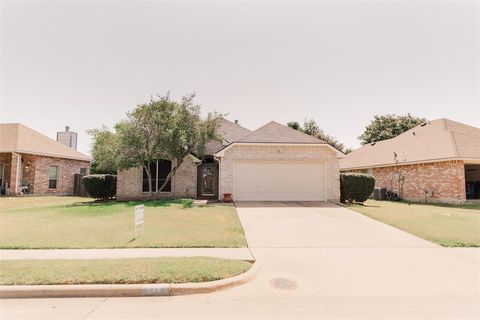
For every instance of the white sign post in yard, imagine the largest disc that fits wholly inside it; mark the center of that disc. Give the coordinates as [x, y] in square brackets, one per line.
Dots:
[139, 219]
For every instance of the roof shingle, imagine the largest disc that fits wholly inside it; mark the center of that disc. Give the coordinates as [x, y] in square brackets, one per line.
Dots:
[274, 132]
[232, 131]
[434, 140]
[15, 137]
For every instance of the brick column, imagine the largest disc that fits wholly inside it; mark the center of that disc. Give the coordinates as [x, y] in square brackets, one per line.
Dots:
[13, 174]
[460, 177]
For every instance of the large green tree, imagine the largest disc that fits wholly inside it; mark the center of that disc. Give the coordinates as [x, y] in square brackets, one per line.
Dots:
[311, 127]
[388, 126]
[103, 151]
[160, 129]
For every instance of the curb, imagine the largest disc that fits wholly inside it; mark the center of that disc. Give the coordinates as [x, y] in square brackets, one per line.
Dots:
[124, 290]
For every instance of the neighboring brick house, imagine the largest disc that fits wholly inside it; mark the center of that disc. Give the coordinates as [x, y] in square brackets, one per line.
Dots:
[436, 161]
[35, 164]
[271, 163]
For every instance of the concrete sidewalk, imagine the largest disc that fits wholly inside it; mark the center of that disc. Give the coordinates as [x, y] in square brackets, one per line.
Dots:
[38, 254]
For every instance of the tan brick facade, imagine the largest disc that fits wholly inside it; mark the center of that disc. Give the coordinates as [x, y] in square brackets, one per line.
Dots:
[286, 153]
[33, 170]
[66, 169]
[184, 183]
[6, 161]
[445, 179]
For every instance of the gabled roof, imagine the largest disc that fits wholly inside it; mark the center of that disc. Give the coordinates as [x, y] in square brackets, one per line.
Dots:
[441, 139]
[274, 132]
[232, 131]
[15, 137]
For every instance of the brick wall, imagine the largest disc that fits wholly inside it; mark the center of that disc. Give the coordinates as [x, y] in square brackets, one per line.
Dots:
[292, 153]
[446, 179]
[6, 160]
[184, 183]
[13, 173]
[34, 171]
[66, 169]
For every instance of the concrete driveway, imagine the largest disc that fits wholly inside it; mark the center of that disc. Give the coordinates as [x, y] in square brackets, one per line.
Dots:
[318, 225]
[317, 261]
[330, 252]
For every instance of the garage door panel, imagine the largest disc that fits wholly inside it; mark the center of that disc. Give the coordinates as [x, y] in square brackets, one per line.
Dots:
[279, 181]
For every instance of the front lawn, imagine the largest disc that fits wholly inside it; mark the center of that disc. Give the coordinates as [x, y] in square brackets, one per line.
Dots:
[119, 271]
[448, 226]
[72, 222]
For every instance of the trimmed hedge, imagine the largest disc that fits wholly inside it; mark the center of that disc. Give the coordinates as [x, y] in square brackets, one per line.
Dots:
[356, 187]
[100, 186]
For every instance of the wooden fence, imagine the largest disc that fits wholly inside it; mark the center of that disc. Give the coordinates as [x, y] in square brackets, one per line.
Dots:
[78, 187]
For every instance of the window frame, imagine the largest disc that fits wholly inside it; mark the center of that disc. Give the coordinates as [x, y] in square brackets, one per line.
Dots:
[157, 182]
[2, 173]
[50, 178]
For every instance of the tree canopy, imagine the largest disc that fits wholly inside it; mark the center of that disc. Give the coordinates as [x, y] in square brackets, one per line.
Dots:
[388, 126]
[311, 127]
[103, 151]
[160, 129]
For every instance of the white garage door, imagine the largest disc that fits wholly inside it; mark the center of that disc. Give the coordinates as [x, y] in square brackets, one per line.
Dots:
[279, 181]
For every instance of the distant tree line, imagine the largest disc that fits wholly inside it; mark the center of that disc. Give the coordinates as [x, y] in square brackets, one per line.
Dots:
[382, 127]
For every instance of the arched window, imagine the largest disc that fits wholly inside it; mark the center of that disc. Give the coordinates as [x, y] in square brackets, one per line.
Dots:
[159, 170]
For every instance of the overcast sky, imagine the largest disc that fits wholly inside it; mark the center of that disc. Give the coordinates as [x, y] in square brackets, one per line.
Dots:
[85, 64]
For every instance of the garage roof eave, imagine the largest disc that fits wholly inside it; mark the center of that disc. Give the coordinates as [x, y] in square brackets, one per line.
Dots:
[221, 152]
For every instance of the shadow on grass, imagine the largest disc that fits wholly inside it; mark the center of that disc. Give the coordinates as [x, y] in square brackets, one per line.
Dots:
[185, 203]
[470, 206]
[361, 205]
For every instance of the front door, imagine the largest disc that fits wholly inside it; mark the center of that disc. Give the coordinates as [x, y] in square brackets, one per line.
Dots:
[208, 180]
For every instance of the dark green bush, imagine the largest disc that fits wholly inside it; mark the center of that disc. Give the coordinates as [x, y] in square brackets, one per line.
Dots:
[356, 187]
[100, 186]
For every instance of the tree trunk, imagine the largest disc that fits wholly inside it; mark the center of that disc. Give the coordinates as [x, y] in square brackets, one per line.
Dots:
[149, 176]
[171, 174]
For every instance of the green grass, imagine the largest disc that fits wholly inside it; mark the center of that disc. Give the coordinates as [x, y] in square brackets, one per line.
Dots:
[472, 206]
[119, 271]
[446, 225]
[71, 222]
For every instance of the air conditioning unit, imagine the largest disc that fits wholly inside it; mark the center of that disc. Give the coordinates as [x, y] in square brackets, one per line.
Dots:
[379, 193]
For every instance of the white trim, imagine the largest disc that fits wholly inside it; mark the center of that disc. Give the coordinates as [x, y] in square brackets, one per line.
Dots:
[45, 154]
[325, 180]
[466, 160]
[221, 153]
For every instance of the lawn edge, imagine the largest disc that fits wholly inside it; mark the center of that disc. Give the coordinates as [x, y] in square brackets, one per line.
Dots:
[398, 229]
[431, 240]
[124, 290]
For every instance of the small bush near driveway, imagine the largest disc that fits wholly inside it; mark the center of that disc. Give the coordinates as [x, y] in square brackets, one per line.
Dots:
[100, 186]
[356, 187]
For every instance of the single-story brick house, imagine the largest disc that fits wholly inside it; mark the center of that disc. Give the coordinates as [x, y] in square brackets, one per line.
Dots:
[436, 161]
[271, 163]
[32, 163]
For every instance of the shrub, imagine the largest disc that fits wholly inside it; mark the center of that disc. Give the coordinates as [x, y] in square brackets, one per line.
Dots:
[356, 187]
[100, 186]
